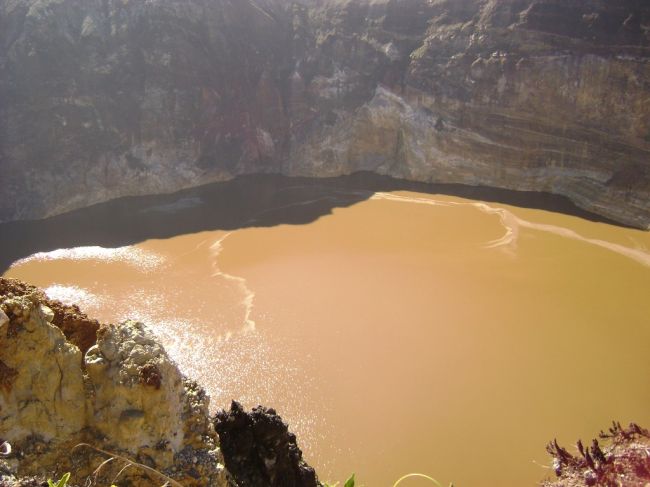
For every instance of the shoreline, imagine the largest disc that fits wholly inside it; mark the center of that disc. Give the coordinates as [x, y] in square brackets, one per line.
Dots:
[240, 203]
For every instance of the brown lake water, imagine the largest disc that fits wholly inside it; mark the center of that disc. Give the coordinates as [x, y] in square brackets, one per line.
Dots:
[406, 332]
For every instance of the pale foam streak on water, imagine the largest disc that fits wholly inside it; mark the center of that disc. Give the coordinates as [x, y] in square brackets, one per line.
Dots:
[248, 294]
[394, 314]
[639, 255]
[512, 225]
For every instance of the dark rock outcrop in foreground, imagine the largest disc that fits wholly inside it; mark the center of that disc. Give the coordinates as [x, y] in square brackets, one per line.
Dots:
[124, 395]
[107, 98]
[260, 451]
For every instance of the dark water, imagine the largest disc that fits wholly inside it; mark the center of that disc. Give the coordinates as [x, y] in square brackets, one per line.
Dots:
[257, 200]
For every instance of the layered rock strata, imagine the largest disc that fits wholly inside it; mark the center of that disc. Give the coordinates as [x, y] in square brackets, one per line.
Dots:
[101, 99]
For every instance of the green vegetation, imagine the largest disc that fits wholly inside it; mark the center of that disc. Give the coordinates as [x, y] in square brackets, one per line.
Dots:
[126, 463]
[63, 481]
[350, 482]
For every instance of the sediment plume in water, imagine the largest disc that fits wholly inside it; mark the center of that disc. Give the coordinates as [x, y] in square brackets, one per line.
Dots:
[394, 332]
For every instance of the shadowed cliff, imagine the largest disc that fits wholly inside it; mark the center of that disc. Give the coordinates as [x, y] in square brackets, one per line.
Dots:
[104, 99]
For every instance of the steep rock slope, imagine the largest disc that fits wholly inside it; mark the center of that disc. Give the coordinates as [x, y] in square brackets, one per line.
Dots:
[100, 99]
[115, 98]
[125, 395]
[530, 95]
[122, 398]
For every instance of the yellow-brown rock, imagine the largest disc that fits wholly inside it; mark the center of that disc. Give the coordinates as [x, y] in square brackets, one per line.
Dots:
[126, 396]
[42, 392]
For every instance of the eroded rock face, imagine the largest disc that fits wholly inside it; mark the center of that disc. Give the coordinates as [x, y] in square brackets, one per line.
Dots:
[124, 97]
[143, 405]
[138, 391]
[41, 382]
[530, 95]
[113, 98]
[125, 396]
[78, 328]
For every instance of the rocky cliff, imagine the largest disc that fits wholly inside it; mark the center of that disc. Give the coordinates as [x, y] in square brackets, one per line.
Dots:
[59, 408]
[106, 98]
